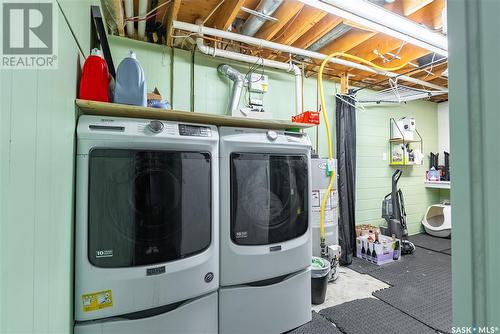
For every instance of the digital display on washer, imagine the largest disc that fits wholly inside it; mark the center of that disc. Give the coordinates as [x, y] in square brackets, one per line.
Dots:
[194, 130]
[147, 206]
[269, 198]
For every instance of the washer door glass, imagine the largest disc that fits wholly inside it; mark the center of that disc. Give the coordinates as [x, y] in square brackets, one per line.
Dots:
[269, 198]
[147, 207]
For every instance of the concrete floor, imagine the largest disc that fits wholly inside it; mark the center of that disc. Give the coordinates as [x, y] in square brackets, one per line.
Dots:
[349, 286]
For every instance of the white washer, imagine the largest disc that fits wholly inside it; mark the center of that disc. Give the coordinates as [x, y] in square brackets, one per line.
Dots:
[265, 250]
[146, 225]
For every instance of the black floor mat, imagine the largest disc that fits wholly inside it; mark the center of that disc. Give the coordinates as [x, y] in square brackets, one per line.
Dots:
[428, 301]
[318, 325]
[429, 242]
[447, 251]
[372, 316]
[362, 266]
[421, 265]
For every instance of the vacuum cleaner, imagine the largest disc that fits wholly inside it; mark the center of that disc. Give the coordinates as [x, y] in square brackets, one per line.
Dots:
[394, 213]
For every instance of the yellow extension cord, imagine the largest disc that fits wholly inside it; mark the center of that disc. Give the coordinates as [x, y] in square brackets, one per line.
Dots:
[327, 124]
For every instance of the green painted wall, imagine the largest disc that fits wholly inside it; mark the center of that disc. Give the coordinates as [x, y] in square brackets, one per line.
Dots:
[374, 174]
[37, 124]
[212, 92]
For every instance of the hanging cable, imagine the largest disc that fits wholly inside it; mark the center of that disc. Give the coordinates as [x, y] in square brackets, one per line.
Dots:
[330, 166]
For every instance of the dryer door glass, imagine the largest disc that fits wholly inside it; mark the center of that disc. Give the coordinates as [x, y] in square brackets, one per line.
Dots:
[269, 198]
[147, 207]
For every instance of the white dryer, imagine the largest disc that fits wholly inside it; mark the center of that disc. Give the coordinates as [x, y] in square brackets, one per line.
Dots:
[265, 241]
[147, 223]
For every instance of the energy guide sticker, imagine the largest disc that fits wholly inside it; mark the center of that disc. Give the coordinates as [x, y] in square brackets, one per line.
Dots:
[97, 300]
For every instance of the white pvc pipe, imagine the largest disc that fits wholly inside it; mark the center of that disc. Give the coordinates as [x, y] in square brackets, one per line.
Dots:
[129, 12]
[142, 11]
[256, 60]
[290, 49]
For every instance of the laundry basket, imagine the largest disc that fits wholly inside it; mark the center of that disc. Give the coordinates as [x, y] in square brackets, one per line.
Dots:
[437, 220]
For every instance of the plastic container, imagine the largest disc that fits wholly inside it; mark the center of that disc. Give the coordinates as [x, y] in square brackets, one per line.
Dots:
[130, 87]
[309, 117]
[320, 270]
[95, 78]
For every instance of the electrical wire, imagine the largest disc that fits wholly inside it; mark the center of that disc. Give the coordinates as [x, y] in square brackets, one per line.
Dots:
[330, 168]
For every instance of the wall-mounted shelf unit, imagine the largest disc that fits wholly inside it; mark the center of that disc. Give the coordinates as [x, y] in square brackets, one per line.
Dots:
[402, 147]
[438, 184]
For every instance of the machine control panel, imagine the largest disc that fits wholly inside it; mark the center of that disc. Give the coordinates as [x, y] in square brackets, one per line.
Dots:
[194, 130]
[155, 126]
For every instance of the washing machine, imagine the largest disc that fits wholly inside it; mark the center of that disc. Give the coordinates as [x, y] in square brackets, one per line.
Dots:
[265, 235]
[147, 223]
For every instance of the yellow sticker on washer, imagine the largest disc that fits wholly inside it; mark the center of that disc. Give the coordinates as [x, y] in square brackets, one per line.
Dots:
[97, 300]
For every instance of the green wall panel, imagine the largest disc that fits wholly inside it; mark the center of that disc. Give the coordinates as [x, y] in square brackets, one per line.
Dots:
[37, 124]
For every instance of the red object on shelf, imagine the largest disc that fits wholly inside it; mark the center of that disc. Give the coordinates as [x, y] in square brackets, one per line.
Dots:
[95, 78]
[309, 117]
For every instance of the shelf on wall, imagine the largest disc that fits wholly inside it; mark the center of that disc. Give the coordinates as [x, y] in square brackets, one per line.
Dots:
[404, 165]
[402, 140]
[122, 110]
[438, 184]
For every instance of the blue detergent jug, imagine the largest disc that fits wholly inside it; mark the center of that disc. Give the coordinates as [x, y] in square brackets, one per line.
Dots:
[130, 87]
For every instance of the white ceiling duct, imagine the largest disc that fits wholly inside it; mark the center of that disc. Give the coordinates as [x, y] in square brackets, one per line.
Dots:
[254, 23]
[330, 36]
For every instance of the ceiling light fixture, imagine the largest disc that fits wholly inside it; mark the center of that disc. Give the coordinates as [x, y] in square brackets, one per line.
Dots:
[384, 21]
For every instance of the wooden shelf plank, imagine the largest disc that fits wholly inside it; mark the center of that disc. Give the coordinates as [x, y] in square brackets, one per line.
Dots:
[121, 110]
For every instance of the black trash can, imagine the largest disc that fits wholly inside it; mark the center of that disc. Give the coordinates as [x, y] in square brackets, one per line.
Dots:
[320, 272]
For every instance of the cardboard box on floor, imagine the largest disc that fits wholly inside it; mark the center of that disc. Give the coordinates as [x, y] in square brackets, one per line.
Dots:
[385, 249]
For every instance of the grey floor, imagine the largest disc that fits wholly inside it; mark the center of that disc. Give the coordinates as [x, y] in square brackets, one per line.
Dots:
[410, 296]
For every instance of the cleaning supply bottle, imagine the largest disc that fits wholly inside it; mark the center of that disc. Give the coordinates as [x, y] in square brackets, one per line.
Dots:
[130, 86]
[95, 78]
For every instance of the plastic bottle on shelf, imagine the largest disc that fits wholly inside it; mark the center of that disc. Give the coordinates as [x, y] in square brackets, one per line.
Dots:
[95, 78]
[130, 86]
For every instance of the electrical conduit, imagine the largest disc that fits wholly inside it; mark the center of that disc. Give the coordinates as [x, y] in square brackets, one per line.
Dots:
[289, 67]
[329, 168]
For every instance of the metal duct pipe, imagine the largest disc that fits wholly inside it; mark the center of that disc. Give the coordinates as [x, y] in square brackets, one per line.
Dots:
[297, 51]
[333, 34]
[238, 84]
[289, 67]
[253, 23]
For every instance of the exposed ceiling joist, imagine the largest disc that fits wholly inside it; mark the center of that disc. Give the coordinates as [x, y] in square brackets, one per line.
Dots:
[225, 14]
[384, 21]
[285, 12]
[317, 31]
[411, 6]
[304, 21]
[172, 13]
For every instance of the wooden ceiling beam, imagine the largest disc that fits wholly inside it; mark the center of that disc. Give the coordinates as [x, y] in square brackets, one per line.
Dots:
[172, 13]
[412, 6]
[430, 15]
[317, 31]
[225, 14]
[348, 41]
[304, 21]
[285, 12]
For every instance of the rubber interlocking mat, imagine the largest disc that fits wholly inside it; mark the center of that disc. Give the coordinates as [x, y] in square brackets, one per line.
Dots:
[372, 316]
[426, 241]
[447, 251]
[362, 266]
[423, 264]
[318, 325]
[428, 301]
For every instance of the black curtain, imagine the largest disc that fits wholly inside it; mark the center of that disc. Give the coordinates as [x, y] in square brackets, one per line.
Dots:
[345, 124]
